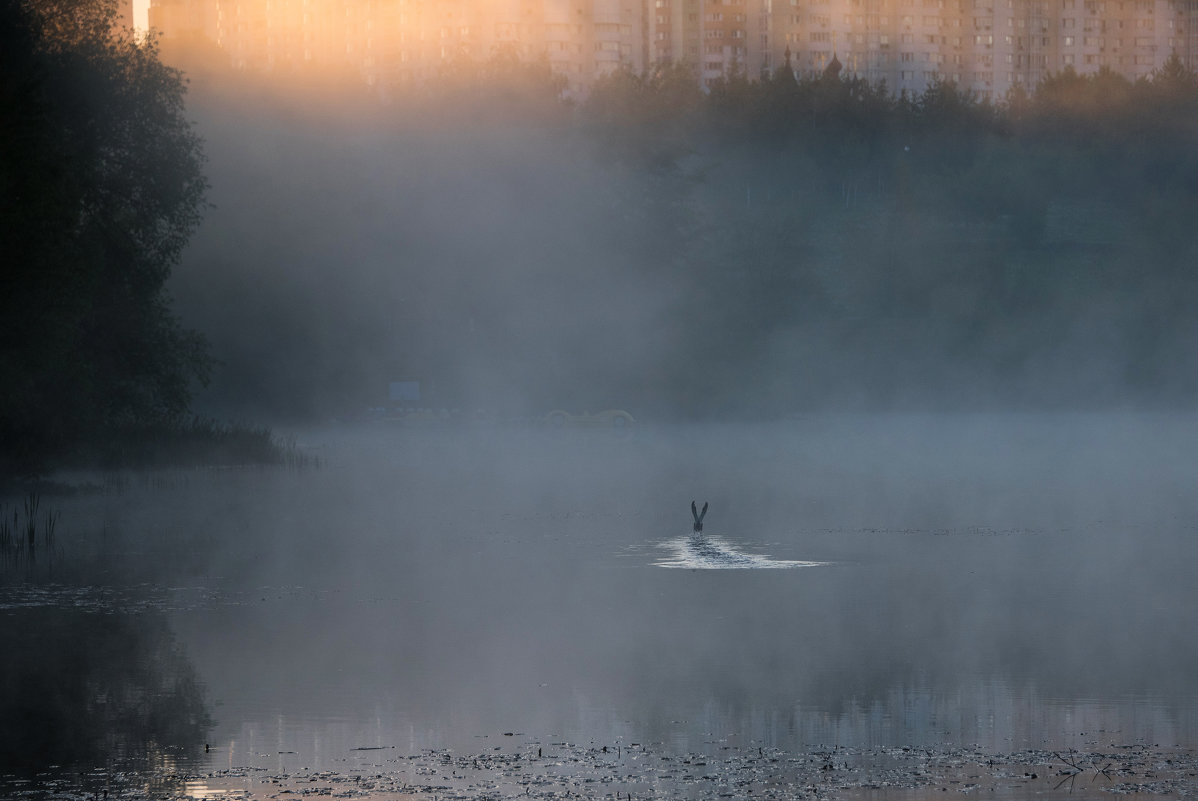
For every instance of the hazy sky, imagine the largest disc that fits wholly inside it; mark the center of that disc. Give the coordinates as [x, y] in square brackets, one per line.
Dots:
[140, 11]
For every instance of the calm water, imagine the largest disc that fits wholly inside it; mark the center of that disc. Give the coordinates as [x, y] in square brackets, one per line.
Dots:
[999, 582]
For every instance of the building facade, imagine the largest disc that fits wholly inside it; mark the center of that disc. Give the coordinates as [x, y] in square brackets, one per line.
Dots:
[987, 46]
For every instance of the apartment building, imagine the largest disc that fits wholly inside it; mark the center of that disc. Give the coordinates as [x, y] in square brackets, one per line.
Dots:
[124, 15]
[987, 46]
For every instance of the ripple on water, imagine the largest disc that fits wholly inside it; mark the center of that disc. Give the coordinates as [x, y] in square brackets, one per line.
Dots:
[707, 552]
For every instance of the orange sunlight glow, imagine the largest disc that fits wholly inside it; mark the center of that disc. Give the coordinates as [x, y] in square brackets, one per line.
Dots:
[987, 46]
[141, 12]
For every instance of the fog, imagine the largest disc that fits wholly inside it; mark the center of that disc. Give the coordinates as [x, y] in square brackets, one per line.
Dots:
[937, 376]
[985, 383]
[517, 261]
[1010, 581]
[502, 266]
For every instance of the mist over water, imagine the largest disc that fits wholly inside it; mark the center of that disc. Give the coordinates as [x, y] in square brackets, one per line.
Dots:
[902, 376]
[1007, 581]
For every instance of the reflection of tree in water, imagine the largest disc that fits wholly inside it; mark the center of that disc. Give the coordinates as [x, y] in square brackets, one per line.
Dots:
[82, 690]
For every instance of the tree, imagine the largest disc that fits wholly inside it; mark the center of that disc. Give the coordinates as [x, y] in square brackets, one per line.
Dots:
[100, 189]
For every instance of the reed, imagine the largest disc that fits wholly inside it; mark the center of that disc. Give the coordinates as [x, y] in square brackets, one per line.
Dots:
[32, 502]
[49, 524]
[28, 527]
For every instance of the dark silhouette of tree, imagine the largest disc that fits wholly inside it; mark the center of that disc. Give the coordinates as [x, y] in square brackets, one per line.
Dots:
[100, 189]
[501, 88]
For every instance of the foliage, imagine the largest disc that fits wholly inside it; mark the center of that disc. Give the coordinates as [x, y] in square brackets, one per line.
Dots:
[501, 89]
[100, 188]
[769, 246]
[939, 248]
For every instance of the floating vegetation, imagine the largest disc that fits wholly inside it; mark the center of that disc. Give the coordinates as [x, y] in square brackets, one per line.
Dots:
[533, 768]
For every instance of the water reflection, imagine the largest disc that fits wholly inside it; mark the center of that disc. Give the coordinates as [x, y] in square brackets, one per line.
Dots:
[1026, 587]
[82, 690]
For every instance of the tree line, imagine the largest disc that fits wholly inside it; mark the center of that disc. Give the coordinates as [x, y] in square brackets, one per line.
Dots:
[765, 247]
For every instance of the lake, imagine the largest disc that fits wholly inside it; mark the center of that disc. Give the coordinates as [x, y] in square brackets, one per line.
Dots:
[877, 604]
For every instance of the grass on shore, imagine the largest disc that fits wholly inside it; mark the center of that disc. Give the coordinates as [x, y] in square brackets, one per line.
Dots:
[197, 441]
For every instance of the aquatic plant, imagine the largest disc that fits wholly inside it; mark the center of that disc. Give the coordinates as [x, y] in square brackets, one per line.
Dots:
[49, 524]
[32, 501]
[20, 535]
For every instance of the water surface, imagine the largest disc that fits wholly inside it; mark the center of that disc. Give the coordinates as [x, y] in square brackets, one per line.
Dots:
[998, 583]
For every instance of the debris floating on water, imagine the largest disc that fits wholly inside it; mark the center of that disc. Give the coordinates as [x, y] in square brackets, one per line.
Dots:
[642, 771]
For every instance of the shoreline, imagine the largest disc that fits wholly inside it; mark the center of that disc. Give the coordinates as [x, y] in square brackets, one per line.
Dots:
[537, 769]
